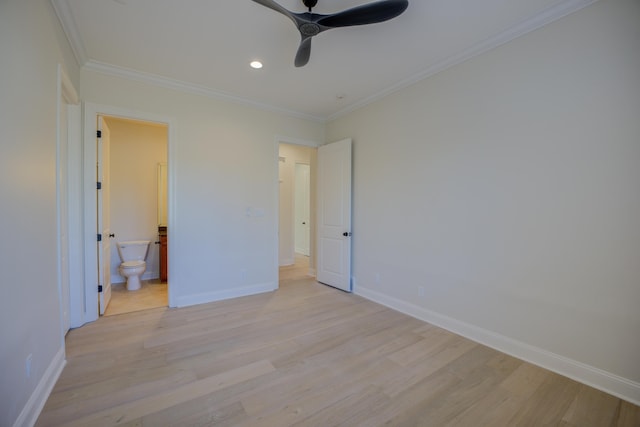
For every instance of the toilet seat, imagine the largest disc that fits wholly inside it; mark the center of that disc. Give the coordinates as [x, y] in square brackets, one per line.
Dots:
[132, 264]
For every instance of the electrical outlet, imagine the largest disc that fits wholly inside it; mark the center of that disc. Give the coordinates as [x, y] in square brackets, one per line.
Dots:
[420, 291]
[27, 365]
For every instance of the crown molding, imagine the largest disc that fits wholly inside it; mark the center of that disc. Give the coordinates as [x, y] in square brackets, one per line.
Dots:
[168, 83]
[61, 7]
[541, 19]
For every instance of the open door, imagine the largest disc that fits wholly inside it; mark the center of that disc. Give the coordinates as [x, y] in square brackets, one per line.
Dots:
[103, 226]
[334, 215]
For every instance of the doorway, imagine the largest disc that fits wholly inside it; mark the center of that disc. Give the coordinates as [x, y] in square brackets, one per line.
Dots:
[329, 176]
[85, 295]
[137, 209]
[296, 168]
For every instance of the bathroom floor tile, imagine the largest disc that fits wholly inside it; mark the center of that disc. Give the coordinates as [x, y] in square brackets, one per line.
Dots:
[152, 294]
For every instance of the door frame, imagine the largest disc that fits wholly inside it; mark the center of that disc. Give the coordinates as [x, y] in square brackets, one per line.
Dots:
[104, 213]
[91, 112]
[279, 139]
[67, 98]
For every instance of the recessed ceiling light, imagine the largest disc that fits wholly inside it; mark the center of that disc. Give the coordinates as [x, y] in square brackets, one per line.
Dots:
[256, 64]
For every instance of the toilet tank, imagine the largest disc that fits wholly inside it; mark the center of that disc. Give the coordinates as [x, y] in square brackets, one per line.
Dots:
[135, 250]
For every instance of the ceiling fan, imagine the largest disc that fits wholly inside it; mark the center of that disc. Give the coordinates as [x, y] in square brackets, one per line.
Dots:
[311, 24]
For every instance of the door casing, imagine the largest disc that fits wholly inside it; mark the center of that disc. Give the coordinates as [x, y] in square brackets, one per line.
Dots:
[67, 118]
[89, 292]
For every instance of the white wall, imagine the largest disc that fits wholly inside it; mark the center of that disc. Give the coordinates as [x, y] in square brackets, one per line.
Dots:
[508, 187]
[31, 47]
[222, 160]
[292, 154]
[517, 170]
[136, 149]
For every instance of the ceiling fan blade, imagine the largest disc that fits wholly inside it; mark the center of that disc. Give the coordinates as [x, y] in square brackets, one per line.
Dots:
[371, 13]
[275, 6]
[304, 52]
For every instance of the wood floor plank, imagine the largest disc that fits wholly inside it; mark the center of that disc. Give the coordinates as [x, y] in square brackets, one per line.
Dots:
[628, 415]
[407, 407]
[131, 411]
[591, 408]
[197, 412]
[306, 355]
[425, 366]
[348, 409]
[91, 399]
[463, 395]
[548, 404]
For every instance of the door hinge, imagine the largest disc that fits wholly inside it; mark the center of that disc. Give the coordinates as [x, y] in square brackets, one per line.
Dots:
[99, 288]
[99, 133]
[99, 185]
[99, 237]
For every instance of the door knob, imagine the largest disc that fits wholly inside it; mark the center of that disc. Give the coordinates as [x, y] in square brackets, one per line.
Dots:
[112, 235]
[346, 234]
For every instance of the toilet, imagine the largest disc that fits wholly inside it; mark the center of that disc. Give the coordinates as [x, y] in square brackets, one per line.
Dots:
[133, 255]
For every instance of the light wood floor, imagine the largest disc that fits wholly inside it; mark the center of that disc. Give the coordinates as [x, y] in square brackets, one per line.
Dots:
[152, 294]
[299, 270]
[306, 355]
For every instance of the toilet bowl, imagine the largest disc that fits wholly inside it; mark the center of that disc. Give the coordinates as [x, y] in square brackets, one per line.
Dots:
[133, 255]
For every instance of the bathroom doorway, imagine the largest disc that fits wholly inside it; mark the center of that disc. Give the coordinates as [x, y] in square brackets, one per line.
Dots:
[296, 167]
[138, 209]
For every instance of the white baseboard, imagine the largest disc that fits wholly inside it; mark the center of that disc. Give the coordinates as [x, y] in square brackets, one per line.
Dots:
[31, 411]
[187, 300]
[597, 378]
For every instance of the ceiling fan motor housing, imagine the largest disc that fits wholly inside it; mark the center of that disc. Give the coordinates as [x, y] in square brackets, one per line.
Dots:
[310, 3]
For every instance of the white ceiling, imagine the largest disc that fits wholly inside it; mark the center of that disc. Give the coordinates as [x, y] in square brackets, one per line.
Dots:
[206, 46]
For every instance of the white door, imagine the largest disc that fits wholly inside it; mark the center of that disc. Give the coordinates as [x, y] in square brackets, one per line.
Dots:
[302, 204]
[104, 230]
[334, 215]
